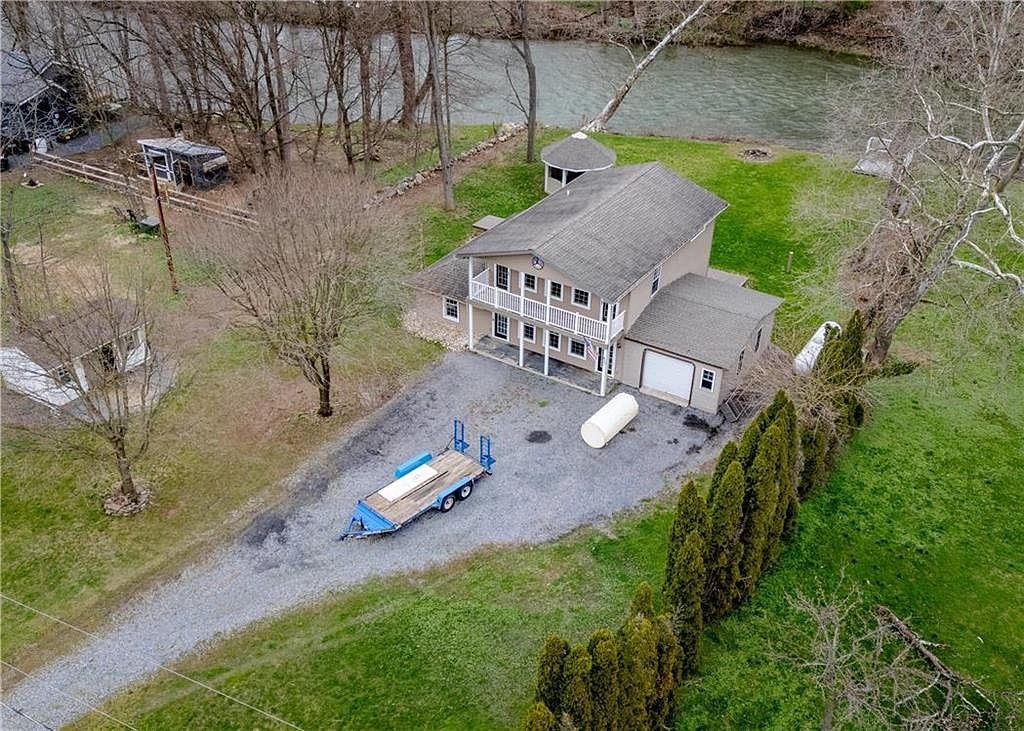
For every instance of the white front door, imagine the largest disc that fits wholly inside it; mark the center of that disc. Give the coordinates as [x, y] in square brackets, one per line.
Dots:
[667, 374]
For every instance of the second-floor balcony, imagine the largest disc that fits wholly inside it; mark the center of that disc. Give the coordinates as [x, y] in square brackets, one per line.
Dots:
[481, 291]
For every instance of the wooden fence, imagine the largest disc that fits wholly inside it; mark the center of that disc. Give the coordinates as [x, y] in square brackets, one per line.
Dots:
[122, 183]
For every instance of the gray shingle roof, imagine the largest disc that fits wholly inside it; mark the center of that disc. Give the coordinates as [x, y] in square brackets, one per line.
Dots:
[448, 276]
[702, 318]
[608, 228]
[578, 153]
[21, 77]
[182, 146]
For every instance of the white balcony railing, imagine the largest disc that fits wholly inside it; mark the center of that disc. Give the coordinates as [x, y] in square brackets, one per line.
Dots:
[573, 322]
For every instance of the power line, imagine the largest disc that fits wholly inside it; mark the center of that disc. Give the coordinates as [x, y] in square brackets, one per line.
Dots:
[69, 695]
[172, 671]
[40, 724]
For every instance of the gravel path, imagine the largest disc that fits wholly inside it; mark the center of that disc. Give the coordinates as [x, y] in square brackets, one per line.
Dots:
[546, 482]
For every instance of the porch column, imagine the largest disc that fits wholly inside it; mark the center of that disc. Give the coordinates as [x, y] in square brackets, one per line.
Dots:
[547, 347]
[604, 376]
[522, 354]
[469, 302]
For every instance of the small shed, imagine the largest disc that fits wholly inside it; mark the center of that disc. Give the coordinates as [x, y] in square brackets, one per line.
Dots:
[184, 163]
[39, 99]
[567, 159]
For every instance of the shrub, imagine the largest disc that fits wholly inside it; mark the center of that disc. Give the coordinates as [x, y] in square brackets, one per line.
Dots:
[643, 602]
[814, 448]
[668, 674]
[691, 515]
[724, 552]
[540, 718]
[759, 505]
[725, 458]
[638, 664]
[551, 673]
[604, 680]
[683, 594]
[576, 701]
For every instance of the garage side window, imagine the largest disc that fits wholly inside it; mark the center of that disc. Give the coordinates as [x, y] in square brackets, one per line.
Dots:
[451, 309]
[707, 379]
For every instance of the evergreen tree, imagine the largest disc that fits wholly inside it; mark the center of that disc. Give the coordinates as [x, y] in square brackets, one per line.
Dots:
[551, 673]
[814, 448]
[643, 602]
[638, 667]
[786, 498]
[668, 674]
[576, 702]
[749, 441]
[691, 515]
[540, 718]
[604, 680]
[725, 550]
[725, 458]
[759, 504]
[684, 596]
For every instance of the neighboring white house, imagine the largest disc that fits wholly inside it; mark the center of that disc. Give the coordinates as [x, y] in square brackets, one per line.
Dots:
[606, 279]
[31, 367]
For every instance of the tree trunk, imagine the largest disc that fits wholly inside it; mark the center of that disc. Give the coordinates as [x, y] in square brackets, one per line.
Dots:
[531, 76]
[601, 120]
[163, 102]
[437, 110]
[324, 387]
[127, 486]
[407, 64]
[13, 296]
[283, 119]
[365, 96]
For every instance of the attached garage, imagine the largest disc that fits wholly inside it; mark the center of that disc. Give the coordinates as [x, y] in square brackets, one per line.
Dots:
[667, 375]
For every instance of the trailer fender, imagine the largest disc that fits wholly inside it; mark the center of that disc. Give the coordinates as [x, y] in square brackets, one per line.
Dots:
[452, 491]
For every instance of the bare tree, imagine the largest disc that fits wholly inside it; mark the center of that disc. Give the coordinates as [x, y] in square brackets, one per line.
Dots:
[950, 113]
[402, 21]
[871, 668]
[87, 350]
[429, 11]
[317, 269]
[514, 22]
[10, 276]
[601, 120]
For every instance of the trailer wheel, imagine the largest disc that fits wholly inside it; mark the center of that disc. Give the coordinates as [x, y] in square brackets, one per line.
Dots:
[465, 491]
[448, 503]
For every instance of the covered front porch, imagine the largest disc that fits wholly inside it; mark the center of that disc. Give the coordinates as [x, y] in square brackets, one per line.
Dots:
[585, 380]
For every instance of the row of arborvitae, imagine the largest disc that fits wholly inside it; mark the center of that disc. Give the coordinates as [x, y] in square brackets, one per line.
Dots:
[840, 375]
[616, 682]
[717, 551]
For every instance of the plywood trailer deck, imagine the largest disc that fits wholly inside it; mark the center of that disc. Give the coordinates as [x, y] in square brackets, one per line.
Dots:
[423, 483]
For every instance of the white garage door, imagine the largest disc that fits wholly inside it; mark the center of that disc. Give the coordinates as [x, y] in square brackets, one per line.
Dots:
[667, 374]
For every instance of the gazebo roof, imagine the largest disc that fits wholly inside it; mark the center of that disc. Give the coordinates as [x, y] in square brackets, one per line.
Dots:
[578, 153]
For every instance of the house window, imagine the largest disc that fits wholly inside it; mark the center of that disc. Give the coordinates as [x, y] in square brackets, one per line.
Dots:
[451, 309]
[501, 276]
[62, 374]
[581, 297]
[707, 379]
[529, 333]
[529, 282]
[555, 290]
[554, 340]
[577, 348]
[609, 309]
[500, 326]
[656, 279]
[757, 340]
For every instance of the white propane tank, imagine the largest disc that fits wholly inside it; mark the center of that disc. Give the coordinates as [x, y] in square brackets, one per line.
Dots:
[807, 357]
[609, 420]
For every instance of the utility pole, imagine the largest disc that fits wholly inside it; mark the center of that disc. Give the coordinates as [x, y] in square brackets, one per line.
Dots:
[163, 229]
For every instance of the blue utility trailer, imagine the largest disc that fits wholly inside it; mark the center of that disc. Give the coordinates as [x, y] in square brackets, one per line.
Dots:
[423, 483]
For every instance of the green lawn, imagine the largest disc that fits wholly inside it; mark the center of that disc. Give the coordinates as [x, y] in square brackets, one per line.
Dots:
[921, 512]
[236, 423]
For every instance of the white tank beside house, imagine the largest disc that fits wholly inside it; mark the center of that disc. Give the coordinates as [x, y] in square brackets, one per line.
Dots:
[609, 420]
[806, 358]
[569, 158]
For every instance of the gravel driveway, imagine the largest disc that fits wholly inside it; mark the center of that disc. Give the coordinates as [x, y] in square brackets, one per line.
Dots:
[546, 482]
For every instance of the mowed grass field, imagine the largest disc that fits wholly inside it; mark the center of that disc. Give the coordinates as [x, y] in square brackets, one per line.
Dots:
[920, 513]
[235, 423]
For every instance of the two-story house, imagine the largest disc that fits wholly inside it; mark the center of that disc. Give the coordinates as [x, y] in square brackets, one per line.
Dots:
[608, 276]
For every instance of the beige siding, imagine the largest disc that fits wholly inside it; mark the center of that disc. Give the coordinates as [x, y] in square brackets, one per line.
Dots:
[691, 257]
[630, 366]
[429, 311]
[750, 356]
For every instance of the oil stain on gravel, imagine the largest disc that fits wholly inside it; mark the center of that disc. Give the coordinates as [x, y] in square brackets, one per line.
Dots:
[538, 437]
